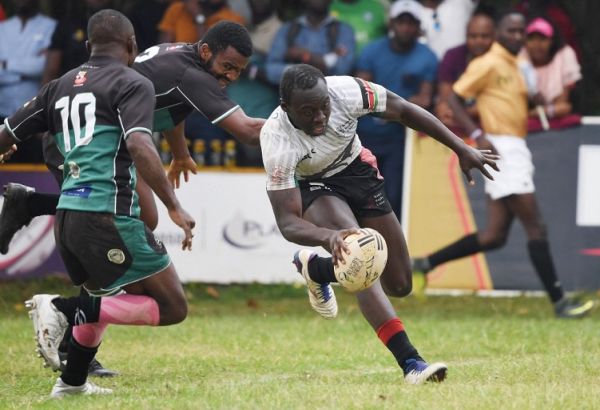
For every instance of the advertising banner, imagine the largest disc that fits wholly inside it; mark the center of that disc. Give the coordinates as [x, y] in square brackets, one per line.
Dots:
[237, 240]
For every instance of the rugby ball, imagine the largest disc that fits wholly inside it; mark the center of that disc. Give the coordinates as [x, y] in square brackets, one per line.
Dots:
[366, 261]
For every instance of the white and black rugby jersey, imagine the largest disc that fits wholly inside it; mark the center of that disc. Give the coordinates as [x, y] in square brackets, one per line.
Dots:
[289, 154]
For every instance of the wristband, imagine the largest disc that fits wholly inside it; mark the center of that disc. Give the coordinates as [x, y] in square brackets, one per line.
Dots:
[475, 135]
[550, 110]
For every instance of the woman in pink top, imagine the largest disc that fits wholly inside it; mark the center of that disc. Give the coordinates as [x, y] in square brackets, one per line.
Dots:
[557, 71]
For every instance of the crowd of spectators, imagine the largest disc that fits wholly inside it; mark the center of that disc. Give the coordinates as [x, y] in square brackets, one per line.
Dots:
[417, 49]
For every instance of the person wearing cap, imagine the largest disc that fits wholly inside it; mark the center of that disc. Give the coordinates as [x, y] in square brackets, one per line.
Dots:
[556, 69]
[496, 81]
[408, 68]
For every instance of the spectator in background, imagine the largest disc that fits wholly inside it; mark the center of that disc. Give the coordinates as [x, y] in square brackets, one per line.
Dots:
[186, 21]
[408, 68]
[67, 47]
[497, 82]
[145, 15]
[444, 23]
[555, 13]
[24, 39]
[368, 19]
[2, 13]
[480, 37]
[557, 71]
[252, 91]
[314, 38]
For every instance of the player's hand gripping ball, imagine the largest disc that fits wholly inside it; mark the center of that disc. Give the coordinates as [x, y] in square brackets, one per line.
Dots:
[366, 261]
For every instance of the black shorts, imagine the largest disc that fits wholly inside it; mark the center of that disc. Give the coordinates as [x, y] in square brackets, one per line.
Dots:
[360, 185]
[106, 251]
[53, 157]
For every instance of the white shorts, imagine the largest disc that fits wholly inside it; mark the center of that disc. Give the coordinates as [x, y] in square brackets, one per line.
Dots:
[516, 168]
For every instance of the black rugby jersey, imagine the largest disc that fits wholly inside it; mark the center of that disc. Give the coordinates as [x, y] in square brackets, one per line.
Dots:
[91, 111]
[182, 84]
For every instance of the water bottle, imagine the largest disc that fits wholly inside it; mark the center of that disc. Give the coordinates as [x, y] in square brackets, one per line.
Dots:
[199, 152]
[229, 157]
[165, 151]
[216, 152]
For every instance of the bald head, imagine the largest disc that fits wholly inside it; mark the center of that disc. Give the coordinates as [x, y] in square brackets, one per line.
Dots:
[109, 26]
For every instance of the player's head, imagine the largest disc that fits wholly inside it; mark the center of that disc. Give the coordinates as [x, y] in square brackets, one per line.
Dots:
[480, 34]
[111, 33]
[305, 98]
[225, 49]
[510, 31]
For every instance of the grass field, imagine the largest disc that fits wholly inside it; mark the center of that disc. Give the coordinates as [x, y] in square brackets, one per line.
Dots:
[259, 347]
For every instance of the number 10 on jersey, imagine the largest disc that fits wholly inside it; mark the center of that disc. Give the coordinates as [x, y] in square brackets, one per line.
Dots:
[69, 110]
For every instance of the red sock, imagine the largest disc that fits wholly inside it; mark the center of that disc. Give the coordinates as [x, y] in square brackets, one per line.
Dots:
[389, 329]
[394, 337]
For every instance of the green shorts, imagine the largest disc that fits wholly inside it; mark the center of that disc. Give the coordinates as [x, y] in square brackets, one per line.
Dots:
[105, 252]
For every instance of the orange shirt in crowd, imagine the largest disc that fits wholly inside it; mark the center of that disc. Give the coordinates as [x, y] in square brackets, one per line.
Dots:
[495, 81]
[178, 21]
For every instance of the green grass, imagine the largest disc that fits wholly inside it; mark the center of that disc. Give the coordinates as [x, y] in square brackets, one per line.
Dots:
[263, 348]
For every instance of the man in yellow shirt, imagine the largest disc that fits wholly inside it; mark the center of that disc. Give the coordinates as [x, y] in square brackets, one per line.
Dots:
[496, 82]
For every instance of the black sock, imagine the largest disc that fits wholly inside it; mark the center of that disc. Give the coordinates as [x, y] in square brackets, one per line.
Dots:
[394, 337]
[402, 349]
[78, 361]
[42, 204]
[467, 245]
[79, 309]
[539, 253]
[64, 343]
[321, 270]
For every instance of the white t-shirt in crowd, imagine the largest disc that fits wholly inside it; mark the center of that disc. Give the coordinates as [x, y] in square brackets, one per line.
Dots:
[445, 26]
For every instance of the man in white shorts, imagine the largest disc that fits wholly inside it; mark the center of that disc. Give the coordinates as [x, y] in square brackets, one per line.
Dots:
[497, 84]
[323, 185]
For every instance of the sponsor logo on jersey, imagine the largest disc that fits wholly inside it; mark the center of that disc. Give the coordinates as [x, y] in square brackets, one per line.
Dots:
[82, 192]
[308, 156]
[347, 127]
[80, 79]
[116, 256]
[173, 47]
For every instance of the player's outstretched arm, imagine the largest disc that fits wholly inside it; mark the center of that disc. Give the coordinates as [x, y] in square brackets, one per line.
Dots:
[415, 117]
[147, 161]
[287, 207]
[182, 161]
[245, 129]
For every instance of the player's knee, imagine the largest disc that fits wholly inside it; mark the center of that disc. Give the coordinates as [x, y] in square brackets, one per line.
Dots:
[489, 242]
[174, 313]
[399, 288]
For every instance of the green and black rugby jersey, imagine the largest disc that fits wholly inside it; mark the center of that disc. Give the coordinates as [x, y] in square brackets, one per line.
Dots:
[91, 111]
[182, 84]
